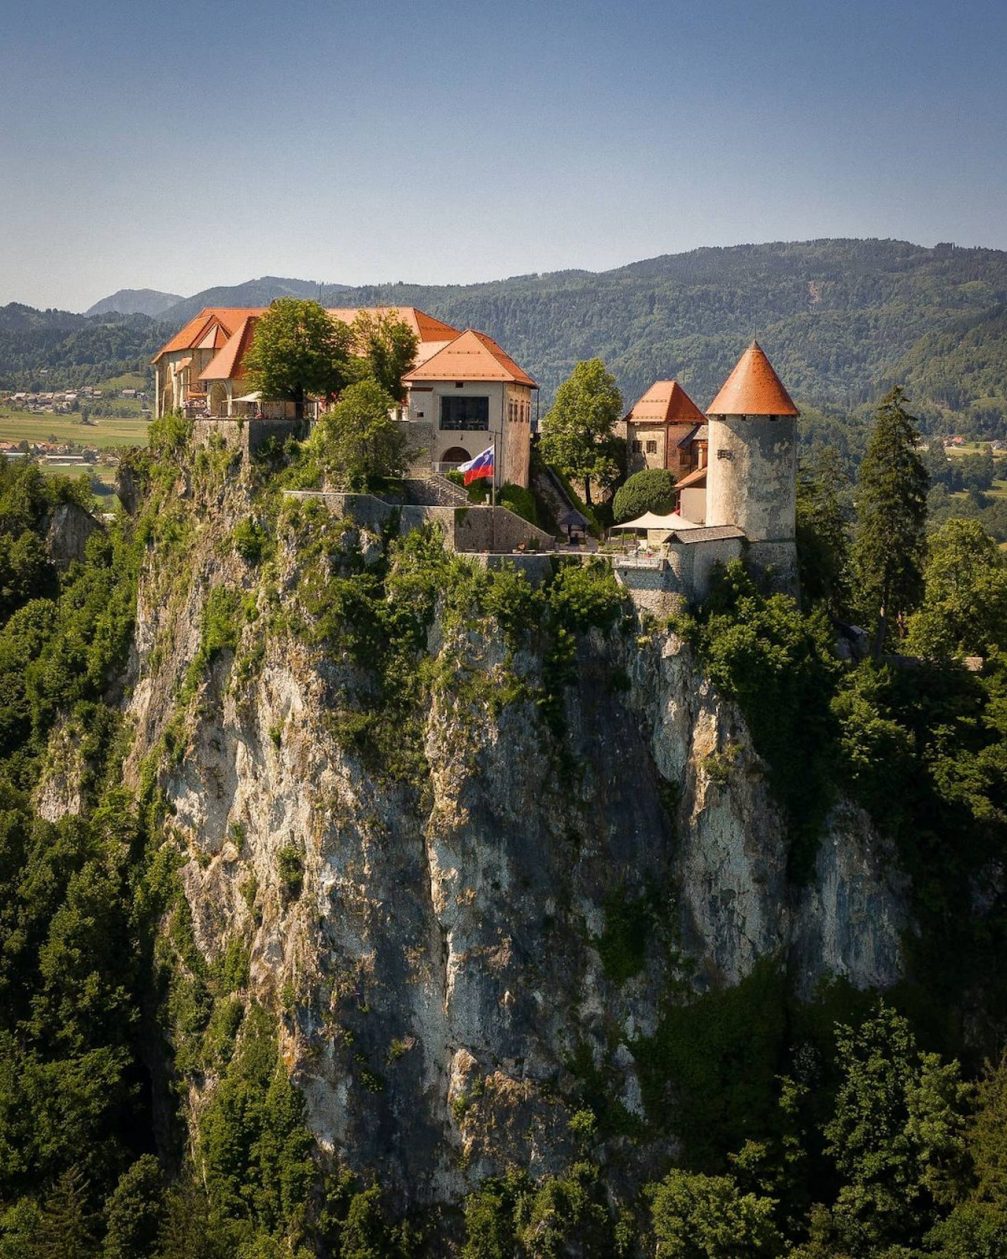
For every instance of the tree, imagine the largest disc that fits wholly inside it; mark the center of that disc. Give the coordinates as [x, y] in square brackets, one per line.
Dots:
[389, 348]
[358, 441]
[707, 1217]
[577, 432]
[889, 547]
[653, 489]
[133, 1212]
[964, 609]
[823, 529]
[897, 1135]
[298, 349]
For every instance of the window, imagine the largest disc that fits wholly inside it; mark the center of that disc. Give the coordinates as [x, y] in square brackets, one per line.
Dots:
[652, 448]
[637, 447]
[466, 413]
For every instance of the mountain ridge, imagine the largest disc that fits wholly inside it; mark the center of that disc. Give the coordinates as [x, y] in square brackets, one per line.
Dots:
[842, 320]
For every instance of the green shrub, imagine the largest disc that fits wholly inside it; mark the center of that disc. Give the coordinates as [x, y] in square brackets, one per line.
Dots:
[653, 489]
[290, 867]
[250, 540]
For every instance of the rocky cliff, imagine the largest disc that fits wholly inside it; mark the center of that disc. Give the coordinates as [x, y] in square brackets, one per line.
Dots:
[475, 858]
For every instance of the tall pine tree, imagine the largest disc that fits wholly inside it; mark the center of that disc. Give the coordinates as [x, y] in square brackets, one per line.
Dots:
[890, 544]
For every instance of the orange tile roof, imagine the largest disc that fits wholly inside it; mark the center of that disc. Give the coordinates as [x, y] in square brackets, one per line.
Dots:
[698, 477]
[666, 401]
[753, 388]
[226, 363]
[187, 338]
[471, 356]
[426, 327]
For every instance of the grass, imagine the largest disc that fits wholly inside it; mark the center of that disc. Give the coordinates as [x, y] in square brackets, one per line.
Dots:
[997, 490]
[106, 431]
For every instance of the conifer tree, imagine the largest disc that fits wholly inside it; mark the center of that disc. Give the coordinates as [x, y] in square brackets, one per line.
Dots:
[891, 501]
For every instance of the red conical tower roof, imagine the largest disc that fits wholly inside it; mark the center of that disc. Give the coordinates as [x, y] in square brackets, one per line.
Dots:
[753, 388]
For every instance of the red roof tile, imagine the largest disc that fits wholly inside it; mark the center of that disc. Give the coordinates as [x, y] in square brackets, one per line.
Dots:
[665, 401]
[187, 338]
[753, 388]
[472, 356]
[226, 363]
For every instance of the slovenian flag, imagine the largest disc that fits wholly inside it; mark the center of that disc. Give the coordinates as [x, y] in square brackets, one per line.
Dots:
[480, 466]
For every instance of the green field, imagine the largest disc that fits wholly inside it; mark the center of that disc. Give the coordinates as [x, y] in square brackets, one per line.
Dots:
[104, 433]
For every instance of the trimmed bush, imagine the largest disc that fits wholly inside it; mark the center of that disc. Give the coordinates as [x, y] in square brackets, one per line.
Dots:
[650, 490]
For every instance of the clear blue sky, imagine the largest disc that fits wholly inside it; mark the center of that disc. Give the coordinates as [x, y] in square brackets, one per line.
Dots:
[175, 146]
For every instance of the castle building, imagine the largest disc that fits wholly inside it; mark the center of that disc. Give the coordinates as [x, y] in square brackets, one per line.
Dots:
[665, 429]
[464, 392]
[752, 476]
[740, 504]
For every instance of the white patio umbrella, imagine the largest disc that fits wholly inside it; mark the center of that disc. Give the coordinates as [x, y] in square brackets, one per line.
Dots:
[650, 520]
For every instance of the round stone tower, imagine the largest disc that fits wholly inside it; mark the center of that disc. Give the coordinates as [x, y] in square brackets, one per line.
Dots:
[752, 476]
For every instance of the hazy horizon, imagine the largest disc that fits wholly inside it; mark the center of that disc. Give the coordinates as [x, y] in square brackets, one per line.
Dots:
[326, 142]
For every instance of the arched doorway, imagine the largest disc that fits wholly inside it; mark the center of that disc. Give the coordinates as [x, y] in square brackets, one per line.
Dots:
[455, 455]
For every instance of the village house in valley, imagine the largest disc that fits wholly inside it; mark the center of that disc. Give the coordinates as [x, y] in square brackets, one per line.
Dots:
[464, 392]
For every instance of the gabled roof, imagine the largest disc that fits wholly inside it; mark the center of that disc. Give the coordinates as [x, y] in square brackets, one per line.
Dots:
[665, 402]
[189, 337]
[226, 363]
[753, 388]
[471, 356]
[214, 338]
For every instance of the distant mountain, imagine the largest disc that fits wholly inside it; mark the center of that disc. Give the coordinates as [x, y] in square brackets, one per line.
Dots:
[135, 302]
[53, 348]
[842, 321]
[252, 293]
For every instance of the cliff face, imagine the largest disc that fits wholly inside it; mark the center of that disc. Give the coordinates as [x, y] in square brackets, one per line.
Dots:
[451, 951]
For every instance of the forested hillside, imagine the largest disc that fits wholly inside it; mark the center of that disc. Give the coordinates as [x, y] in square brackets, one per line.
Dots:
[54, 349]
[842, 320]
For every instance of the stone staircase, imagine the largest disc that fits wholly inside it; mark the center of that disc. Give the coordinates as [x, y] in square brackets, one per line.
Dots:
[435, 490]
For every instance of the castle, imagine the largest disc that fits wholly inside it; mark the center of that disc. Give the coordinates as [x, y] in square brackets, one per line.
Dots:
[735, 466]
[739, 500]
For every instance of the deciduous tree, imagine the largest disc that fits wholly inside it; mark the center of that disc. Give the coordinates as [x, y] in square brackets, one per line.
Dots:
[358, 441]
[388, 346]
[298, 349]
[964, 610]
[577, 432]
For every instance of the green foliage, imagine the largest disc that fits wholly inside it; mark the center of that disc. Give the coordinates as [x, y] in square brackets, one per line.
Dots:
[298, 350]
[653, 489]
[586, 595]
[169, 435]
[896, 1135]
[629, 923]
[520, 501]
[577, 432]
[251, 540]
[706, 1217]
[823, 530]
[888, 549]
[254, 1148]
[358, 443]
[290, 868]
[964, 609]
[712, 1064]
[389, 348]
[778, 665]
[134, 1211]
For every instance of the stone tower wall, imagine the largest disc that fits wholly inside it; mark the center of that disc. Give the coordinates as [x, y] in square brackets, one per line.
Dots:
[752, 477]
